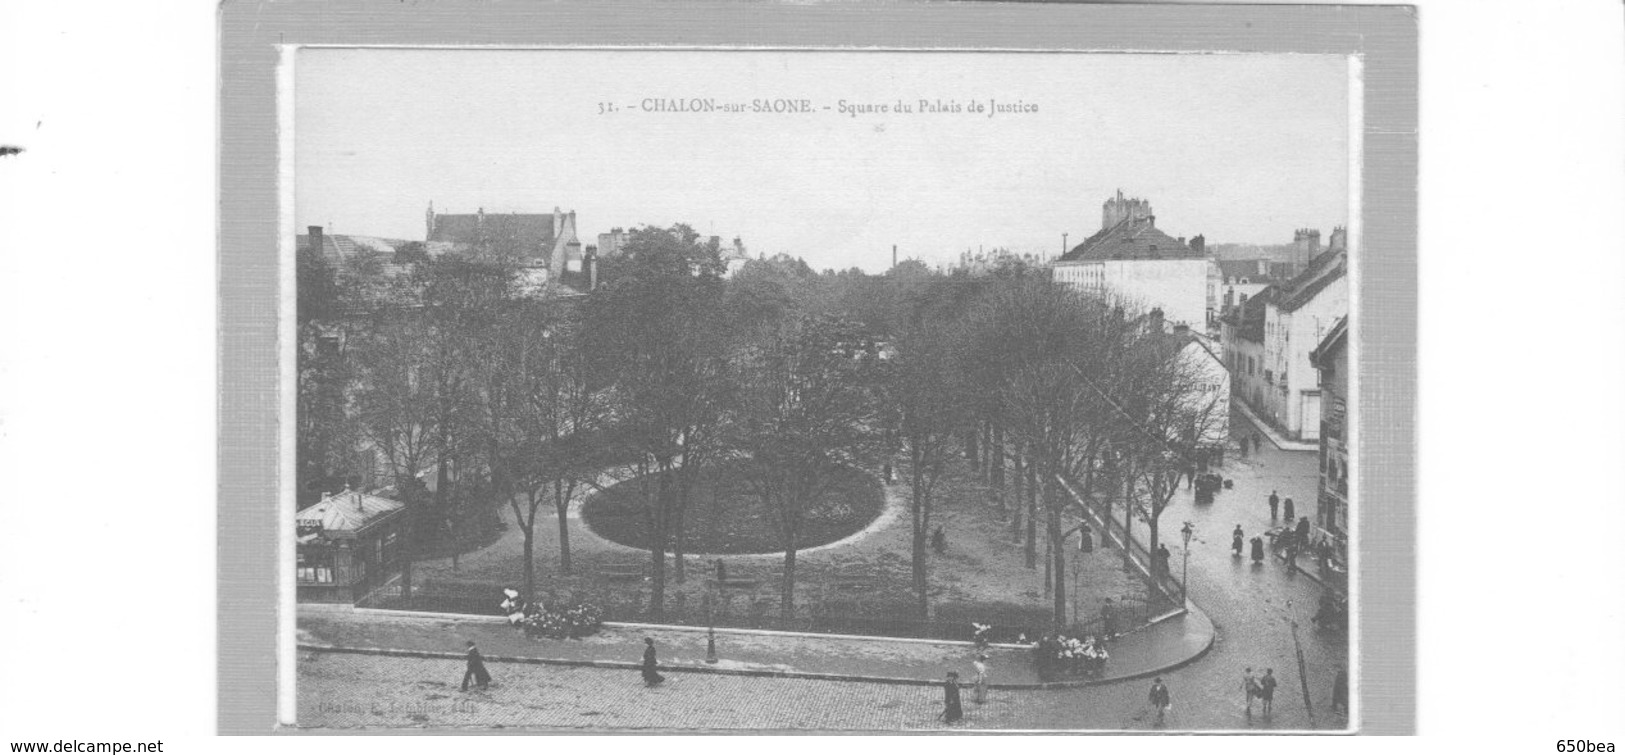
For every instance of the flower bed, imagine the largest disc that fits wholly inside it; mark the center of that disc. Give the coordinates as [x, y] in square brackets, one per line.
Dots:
[575, 622]
[1059, 656]
[582, 620]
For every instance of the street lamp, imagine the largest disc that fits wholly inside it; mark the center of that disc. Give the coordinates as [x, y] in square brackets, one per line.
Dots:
[1184, 577]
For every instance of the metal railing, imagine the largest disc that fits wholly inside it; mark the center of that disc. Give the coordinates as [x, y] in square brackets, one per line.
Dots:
[1165, 585]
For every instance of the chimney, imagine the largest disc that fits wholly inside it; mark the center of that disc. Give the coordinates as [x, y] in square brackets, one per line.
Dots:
[1199, 243]
[316, 239]
[1154, 320]
[590, 261]
[1151, 220]
[1182, 330]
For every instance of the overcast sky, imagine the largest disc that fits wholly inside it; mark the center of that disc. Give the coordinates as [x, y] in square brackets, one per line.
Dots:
[1241, 148]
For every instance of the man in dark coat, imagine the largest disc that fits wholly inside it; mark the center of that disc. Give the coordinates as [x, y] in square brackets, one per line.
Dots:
[1159, 698]
[1236, 540]
[476, 668]
[1108, 620]
[1301, 539]
[1275, 503]
[951, 709]
[1340, 691]
[1266, 690]
[651, 677]
[1162, 560]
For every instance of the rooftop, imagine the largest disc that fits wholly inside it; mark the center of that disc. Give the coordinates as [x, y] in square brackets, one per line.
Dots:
[343, 514]
[1322, 272]
[1131, 239]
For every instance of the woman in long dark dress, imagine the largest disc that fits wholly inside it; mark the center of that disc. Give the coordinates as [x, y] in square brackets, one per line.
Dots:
[651, 677]
[952, 711]
[1258, 550]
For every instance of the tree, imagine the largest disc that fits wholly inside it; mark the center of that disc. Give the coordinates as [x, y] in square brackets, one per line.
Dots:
[326, 446]
[1046, 337]
[807, 411]
[538, 416]
[657, 331]
[924, 387]
[398, 411]
[415, 396]
[1180, 411]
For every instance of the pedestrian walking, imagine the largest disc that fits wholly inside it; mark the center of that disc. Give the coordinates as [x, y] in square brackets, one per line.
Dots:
[1108, 619]
[1291, 512]
[651, 676]
[1340, 691]
[1258, 550]
[1162, 560]
[951, 709]
[1249, 686]
[475, 670]
[1275, 502]
[1160, 699]
[1086, 538]
[1258, 442]
[1236, 538]
[980, 664]
[1266, 690]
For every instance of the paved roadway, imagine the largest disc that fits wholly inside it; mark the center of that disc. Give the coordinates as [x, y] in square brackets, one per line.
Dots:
[1249, 605]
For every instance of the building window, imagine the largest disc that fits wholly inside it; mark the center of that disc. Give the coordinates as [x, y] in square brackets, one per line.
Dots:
[387, 549]
[316, 569]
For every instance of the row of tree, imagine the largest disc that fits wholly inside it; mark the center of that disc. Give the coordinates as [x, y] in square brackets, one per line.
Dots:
[669, 368]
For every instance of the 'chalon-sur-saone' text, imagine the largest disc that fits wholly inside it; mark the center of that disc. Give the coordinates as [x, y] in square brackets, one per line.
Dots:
[988, 108]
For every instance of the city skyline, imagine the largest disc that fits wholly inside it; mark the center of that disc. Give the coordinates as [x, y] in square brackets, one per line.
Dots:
[1238, 148]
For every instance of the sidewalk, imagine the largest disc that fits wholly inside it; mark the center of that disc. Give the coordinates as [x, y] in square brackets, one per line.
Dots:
[1274, 435]
[1156, 649]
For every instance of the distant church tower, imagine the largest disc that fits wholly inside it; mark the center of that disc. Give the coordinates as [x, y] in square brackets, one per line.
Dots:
[1119, 208]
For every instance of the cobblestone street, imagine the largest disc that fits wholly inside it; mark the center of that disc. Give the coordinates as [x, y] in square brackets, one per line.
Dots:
[340, 690]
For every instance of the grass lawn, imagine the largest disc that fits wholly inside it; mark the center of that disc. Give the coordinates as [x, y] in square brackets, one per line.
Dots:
[982, 574]
[725, 517]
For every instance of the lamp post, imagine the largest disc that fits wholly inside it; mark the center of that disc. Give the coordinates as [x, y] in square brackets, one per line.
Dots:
[710, 629]
[1184, 577]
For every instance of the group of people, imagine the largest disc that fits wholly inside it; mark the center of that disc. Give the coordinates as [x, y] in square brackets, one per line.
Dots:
[953, 710]
[1236, 540]
[1260, 688]
[1256, 440]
